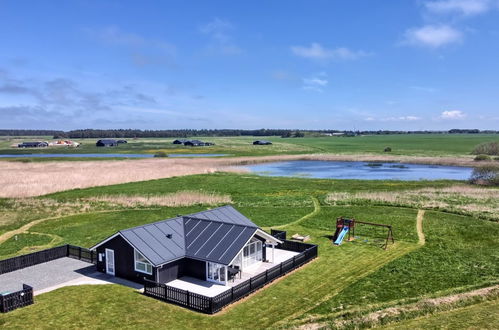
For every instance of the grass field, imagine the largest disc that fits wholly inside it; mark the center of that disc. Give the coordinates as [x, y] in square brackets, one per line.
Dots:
[409, 144]
[356, 278]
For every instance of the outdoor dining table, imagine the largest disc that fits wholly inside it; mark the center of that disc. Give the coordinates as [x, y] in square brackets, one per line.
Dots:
[233, 272]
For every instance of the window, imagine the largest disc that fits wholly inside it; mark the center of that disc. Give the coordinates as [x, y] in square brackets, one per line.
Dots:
[141, 264]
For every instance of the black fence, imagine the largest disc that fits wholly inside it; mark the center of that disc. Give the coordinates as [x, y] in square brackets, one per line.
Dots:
[279, 234]
[211, 305]
[14, 300]
[35, 258]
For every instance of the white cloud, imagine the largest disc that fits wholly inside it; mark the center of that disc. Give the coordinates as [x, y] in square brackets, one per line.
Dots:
[219, 31]
[316, 83]
[432, 36]
[399, 118]
[464, 7]
[317, 52]
[452, 114]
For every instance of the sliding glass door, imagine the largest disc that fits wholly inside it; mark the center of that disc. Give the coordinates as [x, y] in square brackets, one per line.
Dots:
[216, 273]
[252, 253]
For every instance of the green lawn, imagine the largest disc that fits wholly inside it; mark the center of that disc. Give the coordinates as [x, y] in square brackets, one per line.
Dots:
[480, 316]
[408, 144]
[357, 277]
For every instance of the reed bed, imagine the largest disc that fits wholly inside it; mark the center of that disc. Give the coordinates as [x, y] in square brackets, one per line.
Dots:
[181, 198]
[481, 202]
[19, 179]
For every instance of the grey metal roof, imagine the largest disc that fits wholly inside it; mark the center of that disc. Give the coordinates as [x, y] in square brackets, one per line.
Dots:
[215, 235]
[215, 241]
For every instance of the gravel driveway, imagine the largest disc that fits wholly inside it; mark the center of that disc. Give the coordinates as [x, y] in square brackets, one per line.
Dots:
[46, 275]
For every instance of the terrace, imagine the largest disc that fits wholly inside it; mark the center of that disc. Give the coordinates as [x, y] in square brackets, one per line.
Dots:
[210, 298]
[210, 289]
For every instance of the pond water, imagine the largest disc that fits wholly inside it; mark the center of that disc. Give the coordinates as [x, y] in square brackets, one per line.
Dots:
[104, 155]
[360, 170]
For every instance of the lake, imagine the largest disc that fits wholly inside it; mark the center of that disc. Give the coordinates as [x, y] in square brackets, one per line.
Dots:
[360, 170]
[104, 155]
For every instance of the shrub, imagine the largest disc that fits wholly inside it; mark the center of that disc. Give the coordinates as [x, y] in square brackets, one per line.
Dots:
[487, 148]
[388, 149]
[479, 158]
[487, 175]
[161, 154]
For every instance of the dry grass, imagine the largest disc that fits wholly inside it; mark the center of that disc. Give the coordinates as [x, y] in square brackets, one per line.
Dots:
[182, 198]
[462, 199]
[34, 179]
[422, 307]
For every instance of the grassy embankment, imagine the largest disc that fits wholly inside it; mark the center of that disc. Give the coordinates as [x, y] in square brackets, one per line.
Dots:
[354, 279]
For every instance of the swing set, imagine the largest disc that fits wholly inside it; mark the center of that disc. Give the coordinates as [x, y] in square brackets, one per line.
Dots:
[347, 226]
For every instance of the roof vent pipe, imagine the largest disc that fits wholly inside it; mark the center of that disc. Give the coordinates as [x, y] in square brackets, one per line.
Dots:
[168, 235]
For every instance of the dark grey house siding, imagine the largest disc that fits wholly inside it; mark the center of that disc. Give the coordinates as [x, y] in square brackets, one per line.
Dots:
[195, 268]
[171, 271]
[183, 267]
[123, 259]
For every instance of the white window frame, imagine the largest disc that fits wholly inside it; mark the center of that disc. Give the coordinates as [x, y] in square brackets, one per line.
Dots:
[145, 264]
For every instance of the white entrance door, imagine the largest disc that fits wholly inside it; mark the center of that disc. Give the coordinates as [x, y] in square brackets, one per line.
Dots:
[110, 262]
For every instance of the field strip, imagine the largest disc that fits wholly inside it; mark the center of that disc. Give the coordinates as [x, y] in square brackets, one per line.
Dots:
[419, 227]
[374, 317]
[5, 236]
[355, 273]
[317, 209]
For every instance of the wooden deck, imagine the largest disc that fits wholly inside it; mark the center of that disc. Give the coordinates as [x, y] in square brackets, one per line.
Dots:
[210, 289]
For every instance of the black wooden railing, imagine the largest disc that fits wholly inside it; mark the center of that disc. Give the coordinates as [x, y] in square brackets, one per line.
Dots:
[211, 305]
[18, 299]
[279, 234]
[35, 258]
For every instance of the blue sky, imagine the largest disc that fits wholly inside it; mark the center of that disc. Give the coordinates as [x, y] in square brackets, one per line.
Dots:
[249, 64]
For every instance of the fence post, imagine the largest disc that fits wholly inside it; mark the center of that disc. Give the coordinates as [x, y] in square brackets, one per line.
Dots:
[67, 250]
[232, 293]
[211, 305]
[79, 253]
[280, 268]
[294, 261]
[266, 275]
[251, 282]
[188, 298]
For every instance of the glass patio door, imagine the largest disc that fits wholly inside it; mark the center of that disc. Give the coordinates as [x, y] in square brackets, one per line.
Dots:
[216, 273]
[252, 253]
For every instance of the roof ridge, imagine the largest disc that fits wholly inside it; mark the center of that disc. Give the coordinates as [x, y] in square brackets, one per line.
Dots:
[178, 217]
[219, 221]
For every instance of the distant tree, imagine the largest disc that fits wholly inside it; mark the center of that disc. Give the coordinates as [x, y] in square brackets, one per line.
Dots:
[388, 149]
[487, 148]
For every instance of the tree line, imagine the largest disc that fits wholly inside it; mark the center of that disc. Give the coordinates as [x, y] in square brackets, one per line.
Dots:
[137, 133]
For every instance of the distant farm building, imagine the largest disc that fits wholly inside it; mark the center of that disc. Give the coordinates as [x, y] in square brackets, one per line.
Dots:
[37, 144]
[106, 143]
[261, 143]
[193, 143]
[122, 141]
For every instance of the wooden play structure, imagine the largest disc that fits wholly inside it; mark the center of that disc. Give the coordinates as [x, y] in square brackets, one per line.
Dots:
[346, 227]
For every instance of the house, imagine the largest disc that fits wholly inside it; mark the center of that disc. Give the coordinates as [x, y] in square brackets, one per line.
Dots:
[262, 142]
[194, 143]
[106, 143]
[36, 144]
[179, 141]
[211, 246]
